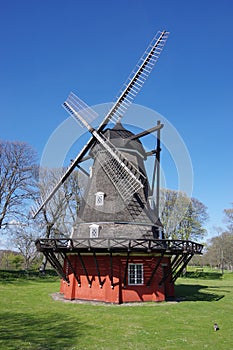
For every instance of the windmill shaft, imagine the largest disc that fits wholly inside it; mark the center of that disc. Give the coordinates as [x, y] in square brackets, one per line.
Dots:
[146, 132]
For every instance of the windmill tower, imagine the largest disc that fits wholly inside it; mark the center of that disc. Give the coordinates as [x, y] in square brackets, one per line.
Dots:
[117, 252]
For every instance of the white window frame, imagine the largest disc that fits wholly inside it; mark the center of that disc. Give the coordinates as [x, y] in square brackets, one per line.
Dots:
[94, 231]
[135, 274]
[99, 199]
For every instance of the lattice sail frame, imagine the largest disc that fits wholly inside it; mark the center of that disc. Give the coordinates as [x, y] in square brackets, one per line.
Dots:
[124, 175]
[132, 85]
[138, 76]
[122, 179]
[74, 103]
[125, 98]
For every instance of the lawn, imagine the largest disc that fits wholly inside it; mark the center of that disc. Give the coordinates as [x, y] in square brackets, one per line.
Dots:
[31, 319]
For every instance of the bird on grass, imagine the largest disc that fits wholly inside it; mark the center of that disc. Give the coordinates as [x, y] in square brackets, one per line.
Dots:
[216, 327]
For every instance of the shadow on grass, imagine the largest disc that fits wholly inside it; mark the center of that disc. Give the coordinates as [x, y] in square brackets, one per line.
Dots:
[22, 276]
[203, 275]
[186, 292]
[26, 331]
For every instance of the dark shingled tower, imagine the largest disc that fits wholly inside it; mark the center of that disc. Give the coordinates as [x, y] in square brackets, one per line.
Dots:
[113, 217]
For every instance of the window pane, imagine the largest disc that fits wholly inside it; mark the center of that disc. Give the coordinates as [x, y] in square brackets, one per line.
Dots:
[135, 274]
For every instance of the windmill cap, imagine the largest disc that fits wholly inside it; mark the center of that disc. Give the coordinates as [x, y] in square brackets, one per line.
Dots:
[120, 138]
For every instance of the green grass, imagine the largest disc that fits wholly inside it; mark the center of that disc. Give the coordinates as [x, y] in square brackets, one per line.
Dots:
[31, 319]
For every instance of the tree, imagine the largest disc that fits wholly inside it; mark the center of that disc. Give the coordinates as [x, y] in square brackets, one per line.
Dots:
[191, 226]
[17, 180]
[59, 214]
[23, 237]
[182, 217]
[57, 217]
[229, 218]
[219, 251]
[10, 260]
[17, 261]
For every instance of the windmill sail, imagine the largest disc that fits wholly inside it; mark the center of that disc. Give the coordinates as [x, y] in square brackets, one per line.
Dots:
[123, 173]
[130, 89]
[137, 78]
[74, 105]
[121, 178]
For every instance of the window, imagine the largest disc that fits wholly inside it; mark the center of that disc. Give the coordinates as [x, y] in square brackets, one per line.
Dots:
[94, 231]
[99, 198]
[135, 274]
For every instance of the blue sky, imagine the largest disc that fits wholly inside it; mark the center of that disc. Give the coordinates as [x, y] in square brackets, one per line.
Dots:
[51, 47]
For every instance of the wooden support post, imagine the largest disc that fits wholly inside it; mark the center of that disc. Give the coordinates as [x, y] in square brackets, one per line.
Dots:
[177, 263]
[126, 269]
[165, 277]
[72, 269]
[158, 169]
[85, 270]
[111, 270]
[97, 269]
[186, 260]
[51, 257]
[174, 260]
[169, 272]
[155, 269]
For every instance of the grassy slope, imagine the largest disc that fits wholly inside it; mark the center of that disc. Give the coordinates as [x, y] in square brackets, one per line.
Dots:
[30, 319]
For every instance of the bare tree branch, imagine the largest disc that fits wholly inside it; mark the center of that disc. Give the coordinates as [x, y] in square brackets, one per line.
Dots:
[17, 179]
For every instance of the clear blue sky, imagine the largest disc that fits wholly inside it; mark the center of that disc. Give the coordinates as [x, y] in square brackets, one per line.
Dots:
[51, 47]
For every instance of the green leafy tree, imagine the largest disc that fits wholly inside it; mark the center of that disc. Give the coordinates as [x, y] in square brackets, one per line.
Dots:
[182, 217]
[17, 261]
[11, 260]
[219, 251]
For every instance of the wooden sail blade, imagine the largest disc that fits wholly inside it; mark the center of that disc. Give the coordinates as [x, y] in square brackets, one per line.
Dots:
[125, 164]
[125, 184]
[137, 78]
[79, 109]
[119, 169]
[124, 175]
[78, 115]
[67, 173]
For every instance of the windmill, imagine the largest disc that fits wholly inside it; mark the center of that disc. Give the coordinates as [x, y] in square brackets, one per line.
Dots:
[117, 242]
